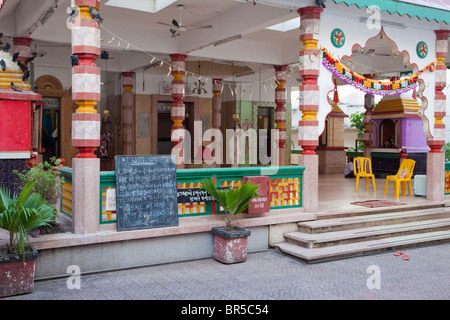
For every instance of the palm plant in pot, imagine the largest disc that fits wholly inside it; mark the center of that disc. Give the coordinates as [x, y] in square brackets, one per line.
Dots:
[18, 214]
[230, 242]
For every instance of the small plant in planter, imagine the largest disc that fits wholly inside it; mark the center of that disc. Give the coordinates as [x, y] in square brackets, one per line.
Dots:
[230, 242]
[18, 214]
[48, 183]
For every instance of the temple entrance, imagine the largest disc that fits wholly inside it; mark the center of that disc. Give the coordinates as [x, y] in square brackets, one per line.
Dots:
[390, 100]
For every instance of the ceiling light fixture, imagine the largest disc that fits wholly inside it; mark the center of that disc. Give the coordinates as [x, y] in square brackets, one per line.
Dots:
[47, 15]
[385, 23]
[218, 43]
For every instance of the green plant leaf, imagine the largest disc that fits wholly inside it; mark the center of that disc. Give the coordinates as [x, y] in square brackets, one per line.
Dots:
[18, 214]
[232, 200]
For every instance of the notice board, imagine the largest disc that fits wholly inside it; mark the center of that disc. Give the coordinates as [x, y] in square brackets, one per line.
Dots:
[146, 192]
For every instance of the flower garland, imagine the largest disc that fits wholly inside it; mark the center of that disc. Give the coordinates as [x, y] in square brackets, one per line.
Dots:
[384, 87]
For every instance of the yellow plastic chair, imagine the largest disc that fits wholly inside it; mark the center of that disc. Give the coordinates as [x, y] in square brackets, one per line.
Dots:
[403, 175]
[362, 168]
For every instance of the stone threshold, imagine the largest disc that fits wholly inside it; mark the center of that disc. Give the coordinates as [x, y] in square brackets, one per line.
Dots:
[187, 225]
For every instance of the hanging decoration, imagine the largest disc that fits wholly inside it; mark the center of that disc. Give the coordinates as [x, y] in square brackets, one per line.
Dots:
[199, 85]
[383, 87]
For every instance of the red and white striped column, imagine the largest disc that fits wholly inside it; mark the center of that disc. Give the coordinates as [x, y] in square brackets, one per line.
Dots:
[178, 109]
[308, 130]
[308, 133]
[86, 80]
[440, 99]
[280, 112]
[217, 114]
[435, 157]
[86, 120]
[216, 103]
[128, 112]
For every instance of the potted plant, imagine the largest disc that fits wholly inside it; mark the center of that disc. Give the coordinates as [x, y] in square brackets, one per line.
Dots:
[18, 214]
[230, 242]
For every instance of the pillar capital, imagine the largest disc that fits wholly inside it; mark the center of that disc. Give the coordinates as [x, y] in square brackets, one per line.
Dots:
[216, 86]
[22, 45]
[128, 81]
[88, 3]
[442, 34]
[178, 63]
[312, 12]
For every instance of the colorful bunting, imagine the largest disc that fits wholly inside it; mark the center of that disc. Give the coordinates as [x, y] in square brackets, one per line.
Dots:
[383, 87]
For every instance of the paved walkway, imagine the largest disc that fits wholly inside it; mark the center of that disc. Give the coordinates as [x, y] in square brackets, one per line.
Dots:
[268, 275]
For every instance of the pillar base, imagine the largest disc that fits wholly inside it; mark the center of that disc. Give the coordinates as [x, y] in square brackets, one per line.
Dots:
[86, 195]
[435, 176]
[310, 191]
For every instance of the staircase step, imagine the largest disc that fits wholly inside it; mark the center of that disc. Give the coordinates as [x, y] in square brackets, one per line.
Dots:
[371, 220]
[312, 255]
[362, 211]
[319, 240]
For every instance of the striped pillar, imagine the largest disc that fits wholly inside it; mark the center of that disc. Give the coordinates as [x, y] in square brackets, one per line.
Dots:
[435, 157]
[86, 80]
[128, 112]
[86, 120]
[216, 104]
[440, 100]
[367, 137]
[308, 131]
[178, 108]
[280, 112]
[22, 45]
[217, 111]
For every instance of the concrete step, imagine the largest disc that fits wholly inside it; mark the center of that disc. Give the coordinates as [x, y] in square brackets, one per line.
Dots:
[371, 220]
[362, 211]
[312, 255]
[325, 239]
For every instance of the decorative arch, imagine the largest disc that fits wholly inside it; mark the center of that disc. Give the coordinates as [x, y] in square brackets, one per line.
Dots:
[406, 61]
[48, 82]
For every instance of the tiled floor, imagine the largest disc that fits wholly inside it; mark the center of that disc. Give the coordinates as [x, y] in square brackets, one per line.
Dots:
[337, 192]
[267, 275]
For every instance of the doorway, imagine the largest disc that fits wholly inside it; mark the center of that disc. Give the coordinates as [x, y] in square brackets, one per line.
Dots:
[264, 145]
[50, 142]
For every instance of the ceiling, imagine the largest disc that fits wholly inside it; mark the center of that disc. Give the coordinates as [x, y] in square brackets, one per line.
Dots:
[134, 37]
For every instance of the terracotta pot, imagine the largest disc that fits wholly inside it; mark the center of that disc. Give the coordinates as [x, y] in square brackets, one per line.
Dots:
[230, 246]
[17, 275]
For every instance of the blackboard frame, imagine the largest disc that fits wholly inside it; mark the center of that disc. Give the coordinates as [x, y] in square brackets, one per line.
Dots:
[146, 192]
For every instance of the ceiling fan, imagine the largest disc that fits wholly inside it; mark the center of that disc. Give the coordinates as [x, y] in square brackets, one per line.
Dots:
[177, 26]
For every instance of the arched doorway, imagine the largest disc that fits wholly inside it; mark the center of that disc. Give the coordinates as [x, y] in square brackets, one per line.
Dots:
[56, 120]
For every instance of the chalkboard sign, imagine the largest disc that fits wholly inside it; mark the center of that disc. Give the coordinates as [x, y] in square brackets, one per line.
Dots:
[146, 192]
